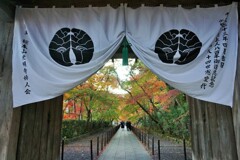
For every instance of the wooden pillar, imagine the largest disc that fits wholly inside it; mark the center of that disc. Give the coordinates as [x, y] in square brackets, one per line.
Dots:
[212, 131]
[32, 131]
[37, 133]
[6, 11]
[6, 34]
[215, 129]
[236, 105]
[236, 114]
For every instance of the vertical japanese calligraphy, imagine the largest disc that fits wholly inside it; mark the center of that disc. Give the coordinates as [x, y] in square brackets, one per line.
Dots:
[25, 43]
[216, 55]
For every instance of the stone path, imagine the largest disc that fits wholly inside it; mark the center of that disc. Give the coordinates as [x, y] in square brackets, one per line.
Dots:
[125, 146]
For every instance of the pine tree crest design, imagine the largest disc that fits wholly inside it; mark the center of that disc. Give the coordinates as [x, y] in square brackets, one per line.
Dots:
[178, 47]
[71, 47]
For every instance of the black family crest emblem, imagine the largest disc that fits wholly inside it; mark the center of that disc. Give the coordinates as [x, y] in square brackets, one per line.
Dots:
[71, 42]
[178, 47]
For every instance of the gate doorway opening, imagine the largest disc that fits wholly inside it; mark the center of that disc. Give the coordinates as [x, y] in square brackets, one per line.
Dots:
[126, 93]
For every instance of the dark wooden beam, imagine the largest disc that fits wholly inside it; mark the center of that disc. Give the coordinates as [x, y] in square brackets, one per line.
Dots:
[7, 10]
[116, 3]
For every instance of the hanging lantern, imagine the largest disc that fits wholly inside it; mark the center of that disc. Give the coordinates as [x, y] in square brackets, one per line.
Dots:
[125, 52]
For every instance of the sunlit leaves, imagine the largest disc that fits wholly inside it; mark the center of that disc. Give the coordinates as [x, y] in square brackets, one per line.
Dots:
[149, 101]
[146, 88]
[92, 99]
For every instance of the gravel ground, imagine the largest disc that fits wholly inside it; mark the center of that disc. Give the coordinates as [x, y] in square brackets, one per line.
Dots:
[80, 150]
[170, 151]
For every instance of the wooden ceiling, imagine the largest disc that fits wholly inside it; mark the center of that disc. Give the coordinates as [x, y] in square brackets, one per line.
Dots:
[115, 3]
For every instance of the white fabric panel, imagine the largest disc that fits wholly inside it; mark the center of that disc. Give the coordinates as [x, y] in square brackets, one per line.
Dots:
[56, 49]
[193, 50]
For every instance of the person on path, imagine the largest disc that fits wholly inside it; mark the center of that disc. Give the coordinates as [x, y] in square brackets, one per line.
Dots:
[122, 124]
[129, 126]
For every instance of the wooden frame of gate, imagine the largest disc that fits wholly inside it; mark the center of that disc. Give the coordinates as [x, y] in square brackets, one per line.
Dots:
[34, 131]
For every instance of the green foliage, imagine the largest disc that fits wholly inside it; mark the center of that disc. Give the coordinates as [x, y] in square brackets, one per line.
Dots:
[75, 128]
[93, 98]
[173, 122]
[149, 102]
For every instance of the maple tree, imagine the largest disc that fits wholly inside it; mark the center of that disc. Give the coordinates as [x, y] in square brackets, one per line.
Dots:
[93, 98]
[149, 101]
[146, 91]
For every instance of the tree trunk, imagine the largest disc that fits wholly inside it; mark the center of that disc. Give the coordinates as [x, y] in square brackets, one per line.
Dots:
[88, 116]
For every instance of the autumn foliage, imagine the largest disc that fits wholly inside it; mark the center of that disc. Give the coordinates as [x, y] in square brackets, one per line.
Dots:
[92, 100]
[148, 101]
